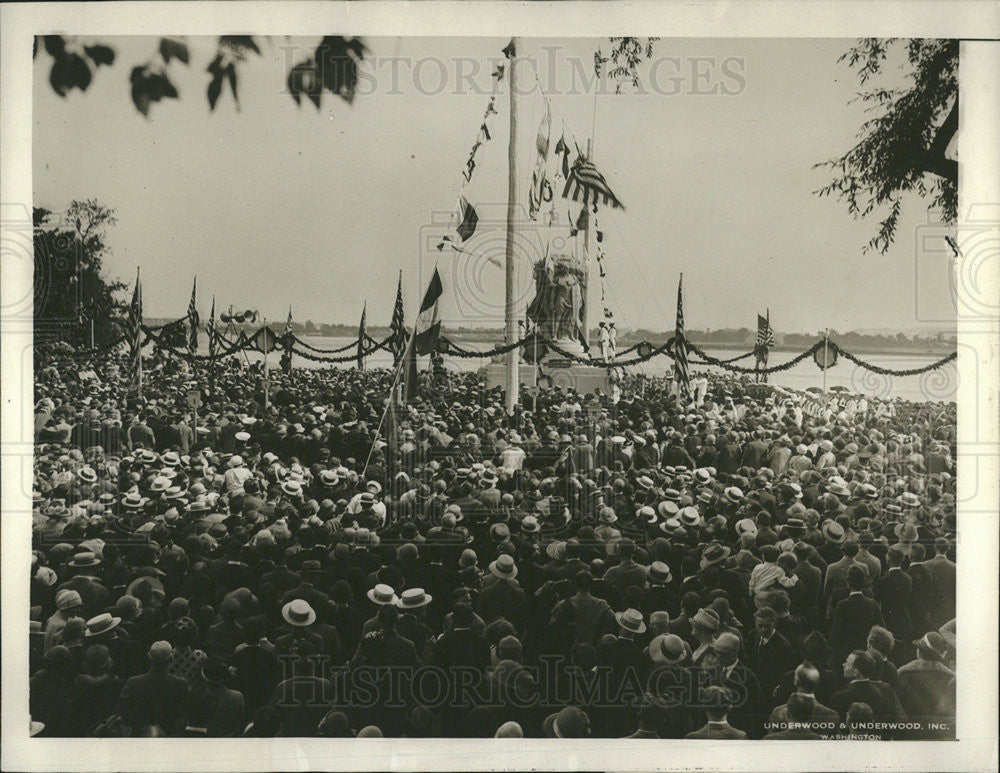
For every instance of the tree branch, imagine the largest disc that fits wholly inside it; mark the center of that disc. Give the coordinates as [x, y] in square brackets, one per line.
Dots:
[935, 161]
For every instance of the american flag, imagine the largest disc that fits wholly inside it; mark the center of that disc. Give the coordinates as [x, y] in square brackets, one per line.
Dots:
[765, 336]
[588, 185]
[680, 346]
[135, 333]
[193, 319]
[397, 331]
[210, 330]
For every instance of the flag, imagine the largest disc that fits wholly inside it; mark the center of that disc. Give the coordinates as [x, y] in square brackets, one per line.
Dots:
[193, 320]
[588, 185]
[469, 220]
[427, 328]
[765, 336]
[210, 330]
[541, 190]
[426, 331]
[286, 355]
[135, 333]
[397, 332]
[680, 346]
[362, 335]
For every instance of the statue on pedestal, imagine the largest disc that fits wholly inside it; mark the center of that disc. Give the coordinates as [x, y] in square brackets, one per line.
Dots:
[558, 306]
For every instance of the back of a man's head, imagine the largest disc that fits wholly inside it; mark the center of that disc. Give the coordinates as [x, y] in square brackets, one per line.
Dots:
[583, 580]
[807, 678]
[387, 617]
[850, 548]
[856, 579]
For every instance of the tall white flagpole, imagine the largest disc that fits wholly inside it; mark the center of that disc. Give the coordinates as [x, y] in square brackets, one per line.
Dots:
[513, 185]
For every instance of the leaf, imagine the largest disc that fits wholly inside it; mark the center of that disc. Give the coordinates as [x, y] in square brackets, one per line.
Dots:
[173, 49]
[55, 45]
[79, 71]
[140, 95]
[231, 74]
[303, 79]
[100, 54]
[214, 90]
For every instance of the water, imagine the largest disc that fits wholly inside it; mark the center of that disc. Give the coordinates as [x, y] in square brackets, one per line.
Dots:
[932, 386]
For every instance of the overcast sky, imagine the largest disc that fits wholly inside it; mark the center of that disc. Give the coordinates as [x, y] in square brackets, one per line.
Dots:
[276, 204]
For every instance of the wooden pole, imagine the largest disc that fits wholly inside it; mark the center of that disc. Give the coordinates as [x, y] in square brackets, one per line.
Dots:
[139, 337]
[826, 364]
[587, 223]
[513, 184]
[267, 385]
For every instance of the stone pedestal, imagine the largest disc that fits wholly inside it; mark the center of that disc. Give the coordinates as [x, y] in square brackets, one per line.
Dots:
[563, 373]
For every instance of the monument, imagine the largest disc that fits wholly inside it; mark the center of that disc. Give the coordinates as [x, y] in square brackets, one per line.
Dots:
[557, 315]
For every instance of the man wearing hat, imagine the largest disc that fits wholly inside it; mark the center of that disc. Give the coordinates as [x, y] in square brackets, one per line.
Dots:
[926, 686]
[155, 697]
[502, 596]
[726, 670]
[68, 604]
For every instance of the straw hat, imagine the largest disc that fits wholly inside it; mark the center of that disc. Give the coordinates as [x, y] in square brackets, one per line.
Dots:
[299, 613]
[383, 595]
[667, 648]
[412, 598]
[631, 620]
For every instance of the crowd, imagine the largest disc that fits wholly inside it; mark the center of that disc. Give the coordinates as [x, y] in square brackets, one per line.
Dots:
[635, 567]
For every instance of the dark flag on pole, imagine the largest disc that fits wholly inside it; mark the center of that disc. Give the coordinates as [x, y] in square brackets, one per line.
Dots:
[425, 336]
[210, 330]
[135, 337]
[587, 185]
[427, 328]
[469, 221]
[286, 355]
[680, 347]
[397, 332]
[362, 335]
[193, 320]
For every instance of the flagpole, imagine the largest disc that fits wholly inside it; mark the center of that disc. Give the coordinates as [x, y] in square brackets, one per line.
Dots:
[513, 184]
[266, 347]
[826, 341]
[586, 252]
[138, 337]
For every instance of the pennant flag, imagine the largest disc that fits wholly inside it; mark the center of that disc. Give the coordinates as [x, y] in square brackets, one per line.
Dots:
[193, 320]
[540, 190]
[469, 221]
[485, 131]
[680, 346]
[397, 341]
[508, 50]
[562, 150]
[362, 335]
[135, 333]
[427, 328]
[588, 185]
[210, 330]
[286, 355]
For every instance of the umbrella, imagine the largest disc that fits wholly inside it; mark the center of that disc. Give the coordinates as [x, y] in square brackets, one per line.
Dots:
[814, 390]
[839, 389]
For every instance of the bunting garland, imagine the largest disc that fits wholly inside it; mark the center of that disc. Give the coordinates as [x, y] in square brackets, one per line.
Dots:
[541, 189]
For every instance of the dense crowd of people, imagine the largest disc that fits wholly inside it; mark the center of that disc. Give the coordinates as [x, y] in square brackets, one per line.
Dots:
[315, 564]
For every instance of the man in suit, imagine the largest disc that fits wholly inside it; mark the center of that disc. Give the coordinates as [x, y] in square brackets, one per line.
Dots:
[859, 670]
[923, 593]
[942, 569]
[725, 669]
[854, 616]
[769, 654]
[822, 719]
[717, 701]
[892, 592]
[155, 697]
[503, 597]
[799, 722]
[926, 685]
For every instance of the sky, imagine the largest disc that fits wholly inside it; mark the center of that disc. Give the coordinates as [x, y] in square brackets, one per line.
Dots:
[272, 204]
